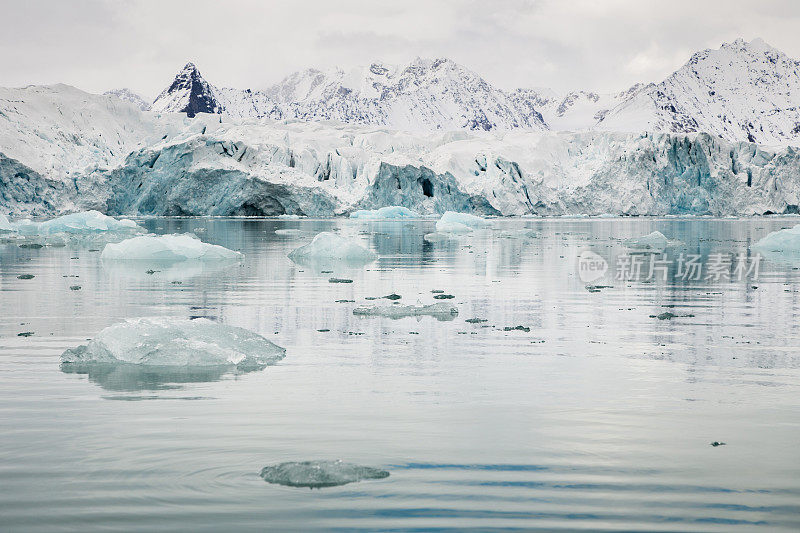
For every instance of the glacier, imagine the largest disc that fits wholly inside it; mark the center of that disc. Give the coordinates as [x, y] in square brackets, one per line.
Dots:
[170, 342]
[101, 153]
[385, 213]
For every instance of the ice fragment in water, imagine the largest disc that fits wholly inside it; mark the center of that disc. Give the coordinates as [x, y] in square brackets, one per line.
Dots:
[87, 222]
[655, 241]
[331, 248]
[440, 311]
[452, 222]
[167, 249]
[289, 232]
[176, 342]
[781, 244]
[319, 474]
[389, 212]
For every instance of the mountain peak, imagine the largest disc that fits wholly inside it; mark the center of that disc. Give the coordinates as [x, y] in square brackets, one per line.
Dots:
[189, 93]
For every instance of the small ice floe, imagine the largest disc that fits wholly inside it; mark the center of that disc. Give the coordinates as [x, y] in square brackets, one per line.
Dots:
[652, 242]
[522, 234]
[452, 222]
[781, 245]
[330, 248]
[171, 342]
[166, 249]
[84, 227]
[289, 232]
[319, 474]
[440, 311]
[289, 217]
[436, 237]
[385, 213]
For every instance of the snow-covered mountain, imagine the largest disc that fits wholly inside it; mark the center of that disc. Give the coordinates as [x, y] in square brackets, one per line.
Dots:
[422, 95]
[741, 91]
[127, 95]
[572, 111]
[62, 149]
[188, 93]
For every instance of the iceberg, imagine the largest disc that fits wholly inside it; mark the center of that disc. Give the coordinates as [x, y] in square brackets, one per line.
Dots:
[331, 248]
[88, 227]
[652, 242]
[5, 225]
[319, 474]
[167, 249]
[389, 212]
[289, 232]
[87, 222]
[452, 222]
[440, 311]
[176, 342]
[781, 244]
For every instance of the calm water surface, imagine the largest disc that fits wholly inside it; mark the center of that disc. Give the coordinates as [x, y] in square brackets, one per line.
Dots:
[599, 418]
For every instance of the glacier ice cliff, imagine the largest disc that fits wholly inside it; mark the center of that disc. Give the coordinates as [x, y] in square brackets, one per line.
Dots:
[103, 153]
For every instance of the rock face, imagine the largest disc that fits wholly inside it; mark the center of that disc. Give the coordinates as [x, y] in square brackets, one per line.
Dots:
[189, 93]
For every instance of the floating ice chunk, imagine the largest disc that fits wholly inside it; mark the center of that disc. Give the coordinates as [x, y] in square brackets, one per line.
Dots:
[167, 249]
[655, 241]
[440, 311]
[389, 212]
[783, 243]
[330, 248]
[289, 232]
[289, 217]
[5, 225]
[87, 222]
[436, 237]
[319, 474]
[176, 342]
[452, 222]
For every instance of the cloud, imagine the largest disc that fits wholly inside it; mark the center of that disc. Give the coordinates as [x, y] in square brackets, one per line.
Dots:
[601, 45]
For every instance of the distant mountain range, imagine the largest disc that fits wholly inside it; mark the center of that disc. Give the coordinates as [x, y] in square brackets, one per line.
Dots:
[743, 91]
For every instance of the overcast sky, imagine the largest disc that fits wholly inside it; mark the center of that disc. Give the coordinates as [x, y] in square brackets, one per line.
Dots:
[604, 45]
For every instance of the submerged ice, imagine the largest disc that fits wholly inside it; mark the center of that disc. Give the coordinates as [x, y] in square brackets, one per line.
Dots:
[332, 248]
[175, 342]
[319, 474]
[440, 311]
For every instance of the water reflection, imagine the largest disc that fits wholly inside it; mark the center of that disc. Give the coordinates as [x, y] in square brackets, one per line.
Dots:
[123, 377]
